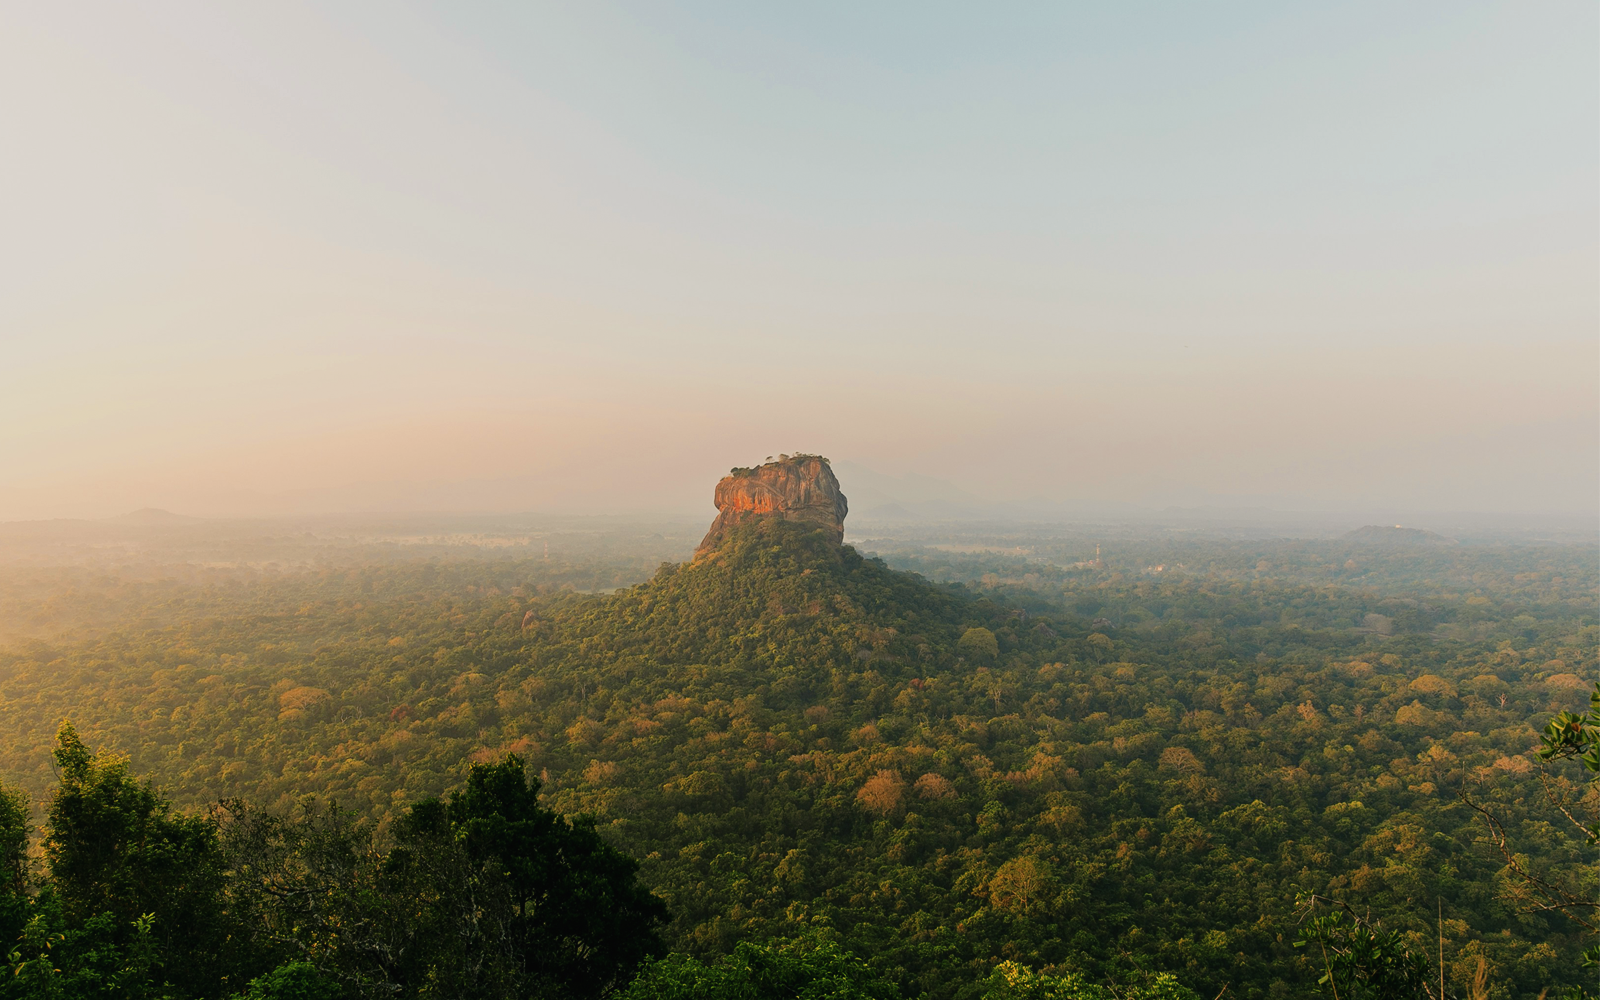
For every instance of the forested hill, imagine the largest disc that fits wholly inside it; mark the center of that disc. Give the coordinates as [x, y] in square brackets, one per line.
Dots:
[779, 609]
[799, 741]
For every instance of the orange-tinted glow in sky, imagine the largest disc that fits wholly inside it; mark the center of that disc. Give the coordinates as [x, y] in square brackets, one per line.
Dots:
[303, 258]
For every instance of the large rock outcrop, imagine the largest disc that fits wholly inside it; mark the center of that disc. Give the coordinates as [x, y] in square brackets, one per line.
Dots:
[795, 488]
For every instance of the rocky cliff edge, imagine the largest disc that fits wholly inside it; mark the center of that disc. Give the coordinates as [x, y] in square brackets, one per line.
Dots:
[794, 488]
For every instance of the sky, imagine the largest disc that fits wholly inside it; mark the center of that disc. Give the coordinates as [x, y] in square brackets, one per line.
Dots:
[288, 258]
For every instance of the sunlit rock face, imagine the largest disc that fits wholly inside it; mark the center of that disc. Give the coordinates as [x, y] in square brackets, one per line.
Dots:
[798, 488]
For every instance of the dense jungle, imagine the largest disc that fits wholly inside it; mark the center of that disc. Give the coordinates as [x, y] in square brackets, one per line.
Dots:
[1181, 767]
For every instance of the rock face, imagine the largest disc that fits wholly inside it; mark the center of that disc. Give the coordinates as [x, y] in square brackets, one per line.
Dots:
[795, 488]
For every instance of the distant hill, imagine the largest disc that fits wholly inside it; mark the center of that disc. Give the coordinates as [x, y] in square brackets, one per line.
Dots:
[154, 515]
[1384, 534]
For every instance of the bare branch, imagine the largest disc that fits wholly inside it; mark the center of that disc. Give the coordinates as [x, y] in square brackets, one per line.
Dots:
[1548, 896]
[1561, 804]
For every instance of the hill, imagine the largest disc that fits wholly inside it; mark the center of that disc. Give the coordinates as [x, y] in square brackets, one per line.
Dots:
[1396, 535]
[154, 515]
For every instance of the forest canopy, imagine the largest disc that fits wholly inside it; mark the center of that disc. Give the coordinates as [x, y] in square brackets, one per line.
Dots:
[1006, 774]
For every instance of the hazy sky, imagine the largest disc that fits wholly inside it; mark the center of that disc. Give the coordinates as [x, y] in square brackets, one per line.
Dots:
[272, 257]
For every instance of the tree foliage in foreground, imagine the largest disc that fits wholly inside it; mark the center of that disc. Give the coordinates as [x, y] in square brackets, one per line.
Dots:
[488, 895]
[785, 971]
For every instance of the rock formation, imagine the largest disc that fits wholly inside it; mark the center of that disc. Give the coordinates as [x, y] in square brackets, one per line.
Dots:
[795, 488]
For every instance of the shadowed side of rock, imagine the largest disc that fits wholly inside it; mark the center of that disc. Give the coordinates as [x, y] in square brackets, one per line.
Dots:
[802, 488]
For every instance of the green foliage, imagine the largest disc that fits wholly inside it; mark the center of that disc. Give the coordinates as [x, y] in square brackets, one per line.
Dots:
[13, 843]
[978, 643]
[294, 981]
[521, 897]
[487, 896]
[113, 842]
[780, 971]
[1011, 981]
[14, 867]
[1362, 959]
[1574, 737]
[118, 853]
[791, 738]
[57, 958]
[578, 917]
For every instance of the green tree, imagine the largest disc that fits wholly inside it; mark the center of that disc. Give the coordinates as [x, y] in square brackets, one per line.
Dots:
[1361, 959]
[783, 971]
[573, 912]
[485, 895]
[293, 981]
[1011, 981]
[56, 958]
[1566, 737]
[13, 843]
[118, 855]
[13, 865]
[979, 644]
